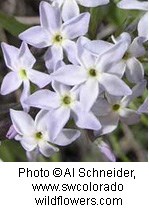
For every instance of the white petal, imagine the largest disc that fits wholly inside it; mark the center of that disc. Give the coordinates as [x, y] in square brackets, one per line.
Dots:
[118, 69]
[106, 150]
[50, 17]
[101, 107]
[114, 85]
[136, 48]
[134, 70]
[22, 122]
[60, 88]
[88, 94]
[137, 91]
[92, 3]
[98, 47]
[41, 120]
[86, 58]
[143, 27]
[108, 123]
[39, 78]
[10, 83]
[28, 143]
[66, 137]
[44, 99]
[25, 94]
[25, 56]
[57, 120]
[70, 49]
[72, 27]
[10, 54]
[53, 55]
[47, 149]
[69, 75]
[133, 4]
[124, 37]
[129, 116]
[144, 107]
[41, 41]
[70, 9]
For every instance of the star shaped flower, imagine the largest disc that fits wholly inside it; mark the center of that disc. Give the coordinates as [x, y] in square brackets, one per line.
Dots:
[20, 61]
[36, 134]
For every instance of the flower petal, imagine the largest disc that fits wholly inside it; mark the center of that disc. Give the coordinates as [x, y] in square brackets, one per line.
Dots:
[57, 120]
[144, 107]
[41, 41]
[69, 75]
[66, 137]
[92, 3]
[39, 78]
[106, 150]
[41, 120]
[136, 48]
[101, 107]
[133, 4]
[28, 143]
[47, 149]
[143, 26]
[25, 94]
[72, 28]
[114, 85]
[25, 56]
[137, 91]
[70, 49]
[134, 70]
[70, 9]
[88, 94]
[50, 17]
[129, 116]
[44, 99]
[22, 122]
[13, 78]
[10, 54]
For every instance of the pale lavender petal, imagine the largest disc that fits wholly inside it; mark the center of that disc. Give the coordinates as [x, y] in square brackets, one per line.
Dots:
[136, 48]
[43, 99]
[69, 75]
[22, 122]
[118, 69]
[37, 37]
[144, 107]
[57, 120]
[10, 83]
[66, 137]
[25, 56]
[47, 149]
[114, 85]
[70, 9]
[106, 150]
[10, 54]
[50, 17]
[72, 27]
[28, 143]
[88, 94]
[133, 4]
[41, 120]
[39, 78]
[101, 107]
[11, 132]
[129, 116]
[92, 3]
[143, 27]
[70, 49]
[137, 91]
[60, 89]
[134, 70]
[25, 94]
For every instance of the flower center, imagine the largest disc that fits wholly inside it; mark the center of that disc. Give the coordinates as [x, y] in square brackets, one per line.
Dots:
[66, 100]
[92, 72]
[23, 74]
[116, 107]
[58, 38]
[38, 135]
[126, 56]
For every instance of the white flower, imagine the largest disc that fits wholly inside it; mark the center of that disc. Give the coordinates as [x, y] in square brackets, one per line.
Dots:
[113, 109]
[70, 8]
[62, 105]
[36, 134]
[95, 74]
[138, 5]
[20, 62]
[55, 34]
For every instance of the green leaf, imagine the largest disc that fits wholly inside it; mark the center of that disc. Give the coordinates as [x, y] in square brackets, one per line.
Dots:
[11, 25]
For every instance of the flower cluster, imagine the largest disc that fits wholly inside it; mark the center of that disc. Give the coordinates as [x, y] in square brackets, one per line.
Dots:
[91, 83]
